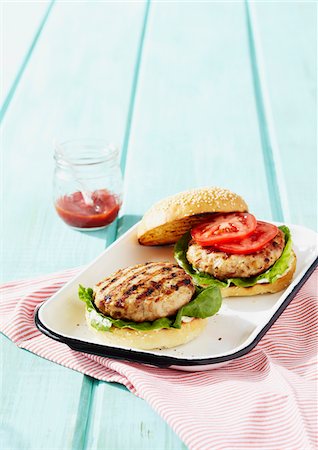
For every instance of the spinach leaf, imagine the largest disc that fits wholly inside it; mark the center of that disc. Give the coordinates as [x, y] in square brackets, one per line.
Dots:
[206, 304]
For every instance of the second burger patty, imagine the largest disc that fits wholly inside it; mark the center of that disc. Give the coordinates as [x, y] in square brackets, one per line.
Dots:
[222, 265]
[144, 292]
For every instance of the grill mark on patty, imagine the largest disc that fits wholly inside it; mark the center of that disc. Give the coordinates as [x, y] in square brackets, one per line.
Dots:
[120, 277]
[116, 276]
[118, 315]
[131, 289]
[120, 303]
[165, 291]
[146, 275]
[139, 272]
[151, 286]
[144, 292]
[156, 285]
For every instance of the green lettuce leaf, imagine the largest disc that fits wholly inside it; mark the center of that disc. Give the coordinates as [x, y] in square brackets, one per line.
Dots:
[86, 295]
[199, 278]
[206, 303]
[205, 279]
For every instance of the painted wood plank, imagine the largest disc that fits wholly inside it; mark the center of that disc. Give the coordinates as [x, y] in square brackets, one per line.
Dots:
[285, 39]
[20, 23]
[194, 123]
[66, 90]
[87, 384]
[102, 427]
[78, 84]
[146, 430]
[113, 409]
[110, 398]
[39, 401]
[117, 422]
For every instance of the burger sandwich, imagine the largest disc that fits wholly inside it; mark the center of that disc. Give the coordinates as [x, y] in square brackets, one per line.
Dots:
[147, 306]
[219, 243]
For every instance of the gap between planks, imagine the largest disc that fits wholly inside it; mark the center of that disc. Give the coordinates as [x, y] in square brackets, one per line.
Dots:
[275, 188]
[274, 177]
[82, 427]
[17, 79]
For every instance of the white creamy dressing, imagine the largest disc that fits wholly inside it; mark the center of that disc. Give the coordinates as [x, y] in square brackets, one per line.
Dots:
[186, 319]
[265, 280]
[94, 316]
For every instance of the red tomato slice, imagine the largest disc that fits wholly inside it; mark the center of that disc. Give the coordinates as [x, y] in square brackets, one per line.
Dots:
[261, 236]
[224, 228]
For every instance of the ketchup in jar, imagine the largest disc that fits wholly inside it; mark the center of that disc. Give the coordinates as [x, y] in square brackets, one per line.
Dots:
[101, 211]
[87, 184]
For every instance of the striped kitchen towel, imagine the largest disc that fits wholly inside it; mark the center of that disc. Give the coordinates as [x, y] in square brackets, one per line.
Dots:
[264, 400]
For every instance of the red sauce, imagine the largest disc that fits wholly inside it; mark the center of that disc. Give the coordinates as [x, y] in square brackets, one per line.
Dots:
[76, 213]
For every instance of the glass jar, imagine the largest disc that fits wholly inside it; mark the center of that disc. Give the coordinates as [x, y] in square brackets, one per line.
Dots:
[87, 183]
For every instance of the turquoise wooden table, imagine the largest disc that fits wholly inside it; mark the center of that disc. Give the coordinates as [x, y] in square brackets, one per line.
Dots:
[195, 93]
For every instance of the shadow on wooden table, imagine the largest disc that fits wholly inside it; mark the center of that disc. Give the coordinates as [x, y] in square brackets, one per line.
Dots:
[116, 229]
[125, 222]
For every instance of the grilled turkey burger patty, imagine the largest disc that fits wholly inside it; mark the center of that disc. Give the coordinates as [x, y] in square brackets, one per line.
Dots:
[222, 265]
[144, 292]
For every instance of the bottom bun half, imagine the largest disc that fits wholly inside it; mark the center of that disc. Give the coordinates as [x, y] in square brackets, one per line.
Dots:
[153, 339]
[263, 288]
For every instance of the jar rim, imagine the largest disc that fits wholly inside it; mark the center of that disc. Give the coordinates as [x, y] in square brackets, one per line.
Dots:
[86, 151]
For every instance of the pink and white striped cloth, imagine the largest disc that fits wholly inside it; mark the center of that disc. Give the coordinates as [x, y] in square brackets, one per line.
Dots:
[265, 400]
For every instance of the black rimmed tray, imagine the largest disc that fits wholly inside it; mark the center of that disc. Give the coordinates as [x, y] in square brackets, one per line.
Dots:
[232, 333]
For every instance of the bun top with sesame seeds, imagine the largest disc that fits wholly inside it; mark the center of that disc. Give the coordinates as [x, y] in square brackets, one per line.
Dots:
[166, 221]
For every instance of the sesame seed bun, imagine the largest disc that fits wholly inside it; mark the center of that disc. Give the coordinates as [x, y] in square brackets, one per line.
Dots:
[166, 221]
[149, 340]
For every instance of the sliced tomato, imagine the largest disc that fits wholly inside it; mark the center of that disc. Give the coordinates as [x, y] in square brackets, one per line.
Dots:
[224, 228]
[263, 233]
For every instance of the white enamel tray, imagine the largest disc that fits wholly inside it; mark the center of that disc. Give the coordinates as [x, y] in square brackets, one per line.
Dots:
[233, 332]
